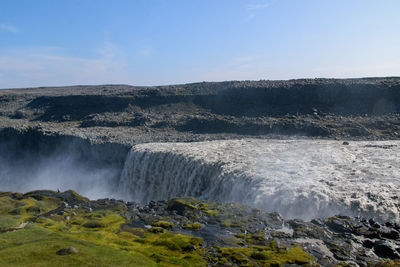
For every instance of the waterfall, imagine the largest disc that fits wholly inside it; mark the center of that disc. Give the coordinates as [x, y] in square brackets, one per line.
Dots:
[298, 178]
[154, 175]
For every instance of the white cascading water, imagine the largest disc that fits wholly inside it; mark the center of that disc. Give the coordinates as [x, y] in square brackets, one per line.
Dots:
[298, 178]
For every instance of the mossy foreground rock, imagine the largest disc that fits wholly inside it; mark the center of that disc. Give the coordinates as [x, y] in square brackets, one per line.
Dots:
[46, 228]
[67, 251]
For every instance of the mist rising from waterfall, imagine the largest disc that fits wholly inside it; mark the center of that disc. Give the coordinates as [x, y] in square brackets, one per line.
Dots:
[59, 163]
[298, 178]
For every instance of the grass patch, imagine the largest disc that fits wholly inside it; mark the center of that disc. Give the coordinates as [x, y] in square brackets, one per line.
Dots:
[35, 246]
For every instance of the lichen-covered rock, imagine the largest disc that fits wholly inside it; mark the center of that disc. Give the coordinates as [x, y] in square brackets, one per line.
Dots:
[182, 205]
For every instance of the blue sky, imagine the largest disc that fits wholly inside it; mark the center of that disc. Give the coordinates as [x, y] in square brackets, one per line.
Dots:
[155, 42]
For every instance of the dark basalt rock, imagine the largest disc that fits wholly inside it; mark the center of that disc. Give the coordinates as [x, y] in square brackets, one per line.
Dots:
[386, 249]
[339, 238]
[389, 234]
[180, 206]
[368, 243]
[340, 225]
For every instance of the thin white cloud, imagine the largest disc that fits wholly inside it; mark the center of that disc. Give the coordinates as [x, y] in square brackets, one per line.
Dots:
[8, 28]
[146, 51]
[52, 67]
[251, 16]
[252, 7]
[249, 67]
[109, 50]
[243, 59]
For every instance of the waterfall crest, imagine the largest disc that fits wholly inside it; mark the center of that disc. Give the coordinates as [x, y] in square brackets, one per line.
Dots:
[298, 178]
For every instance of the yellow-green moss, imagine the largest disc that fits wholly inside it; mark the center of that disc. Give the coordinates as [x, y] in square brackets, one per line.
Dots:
[168, 249]
[104, 237]
[16, 211]
[93, 224]
[226, 223]
[36, 246]
[193, 226]
[264, 255]
[163, 224]
[211, 212]
[388, 263]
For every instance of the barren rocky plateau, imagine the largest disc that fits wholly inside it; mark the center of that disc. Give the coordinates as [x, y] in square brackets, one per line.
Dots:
[348, 109]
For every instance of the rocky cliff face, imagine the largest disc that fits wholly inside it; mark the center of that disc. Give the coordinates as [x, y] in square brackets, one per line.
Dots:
[329, 108]
[32, 160]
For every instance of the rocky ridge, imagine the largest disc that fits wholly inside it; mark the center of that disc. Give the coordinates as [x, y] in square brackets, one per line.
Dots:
[361, 109]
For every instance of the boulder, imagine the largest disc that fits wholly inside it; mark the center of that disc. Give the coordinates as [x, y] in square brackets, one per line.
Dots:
[386, 249]
[389, 234]
[67, 251]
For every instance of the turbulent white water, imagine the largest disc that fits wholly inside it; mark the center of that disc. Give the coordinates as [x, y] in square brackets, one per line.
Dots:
[299, 178]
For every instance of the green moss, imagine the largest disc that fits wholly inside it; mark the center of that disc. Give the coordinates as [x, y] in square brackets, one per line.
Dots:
[181, 242]
[183, 205]
[163, 224]
[156, 230]
[69, 196]
[236, 224]
[17, 211]
[132, 230]
[205, 207]
[300, 228]
[33, 209]
[103, 237]
[262, 256]
[35, 246]
[93, 224]
[211, 212]
[388, 263]
[193, 226]
[5, 194]
[226, 223]
[240, 235]
[7, 222]
[168, 244]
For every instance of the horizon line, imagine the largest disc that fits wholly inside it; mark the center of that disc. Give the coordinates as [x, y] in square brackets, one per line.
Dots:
[189, 83]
